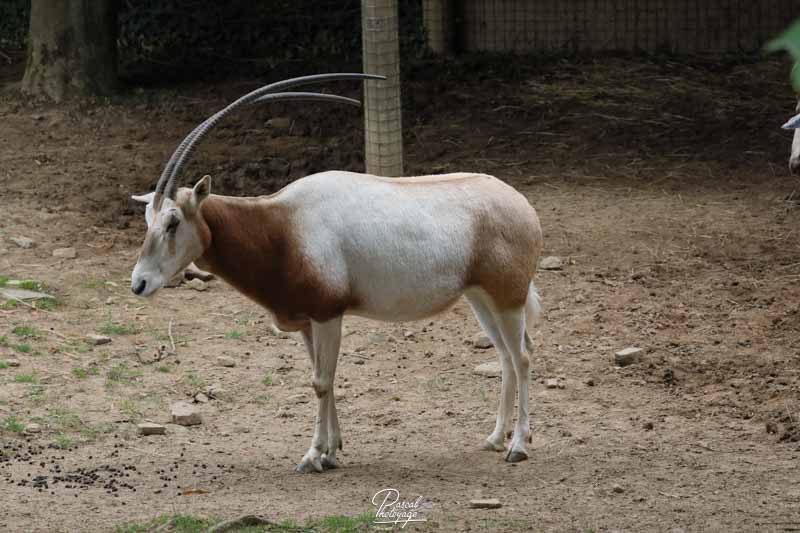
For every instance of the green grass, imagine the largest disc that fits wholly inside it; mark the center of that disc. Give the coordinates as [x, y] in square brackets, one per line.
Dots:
[63, 442]
[3, 340]
[26, 332]
[234, 334]
[75, 346]
[23, 348]
[30, 285]
[267, 379]
[195, 381]
[25, 378]
[12, 424]
[130, 409]
[9, 304]
[166, 369]
[3, 281]
[48, 304]
[115, 328]
[194, 524]
[120, 373]
[3, 365]
[64, 419]
[36, 394]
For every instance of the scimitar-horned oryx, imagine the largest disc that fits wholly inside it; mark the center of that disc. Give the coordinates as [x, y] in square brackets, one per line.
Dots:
[341, 243]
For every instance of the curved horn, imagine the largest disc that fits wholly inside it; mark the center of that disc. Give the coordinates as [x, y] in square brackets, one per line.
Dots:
[172, 167]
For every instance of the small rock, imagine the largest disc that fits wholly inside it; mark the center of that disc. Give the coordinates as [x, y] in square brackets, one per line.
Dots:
[492, 369]
[200, 398]
[648, 426]
[492, 503]
[22, 294]
[482, 342]
[772, 427]
[97, 340]
[111, 300]
[185, 414]
[175, 428]
[197, 284]
[628, 356]
[23, 242]
[65, 253]
[33, 428]
[226, 361]
[551, 263]
[553, 383]
[12, 362]
[590, 382]
[149, 428]
[617, 488]
[408, 334]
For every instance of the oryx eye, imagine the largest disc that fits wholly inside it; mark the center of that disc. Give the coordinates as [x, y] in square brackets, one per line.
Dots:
[172, 224]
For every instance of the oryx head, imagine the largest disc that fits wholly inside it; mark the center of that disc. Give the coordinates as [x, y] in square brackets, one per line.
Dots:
[176, 233]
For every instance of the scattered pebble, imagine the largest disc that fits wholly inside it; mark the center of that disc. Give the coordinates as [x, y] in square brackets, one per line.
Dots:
[97, 340]
[201, 398]
[23, 242]
[492, 503]
[482, 342]
[648, 426]
[628, 356]
[551, 263]
[33, 428]
[590, 382]
[185, 414]
[12, 362]
[197, 284]
[554, 383]
[226, 361]
[617, 488]
[149, 428]
[215, 391]
[492, 369]
[65, 253]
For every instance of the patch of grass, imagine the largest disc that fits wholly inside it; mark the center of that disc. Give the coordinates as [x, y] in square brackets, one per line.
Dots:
[234, 334]
[30, 285]
[3, 365]
[120, 373]
[166, 369]
[24, 347]
[64, 419]
[80, 373]
[174, 523]
[130, 409]
[12, 424]
[48, 304]
[36, 394]
[9, 304]
[75, 346]
[195, 381]
[3, 340]
[194, 524]
[63, 441]
[3, 281]
[93, 283]
[262, 399]
[26, 332]
[26, 378]
[116, 328]
[267, 379]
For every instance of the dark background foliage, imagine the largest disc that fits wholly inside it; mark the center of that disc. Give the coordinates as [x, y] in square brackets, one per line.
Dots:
[206, 39]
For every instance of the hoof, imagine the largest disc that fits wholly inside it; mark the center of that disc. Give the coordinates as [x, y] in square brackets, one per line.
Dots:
[515, 456]
[492, 447]
[329, 462]
[309, 466]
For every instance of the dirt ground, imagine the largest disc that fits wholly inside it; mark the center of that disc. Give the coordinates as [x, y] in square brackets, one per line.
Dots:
[663, 186]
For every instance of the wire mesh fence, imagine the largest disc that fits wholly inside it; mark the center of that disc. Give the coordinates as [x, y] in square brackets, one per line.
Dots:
[675, 26]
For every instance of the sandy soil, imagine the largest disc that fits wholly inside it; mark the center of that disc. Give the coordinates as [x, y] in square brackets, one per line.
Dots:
[679, 240]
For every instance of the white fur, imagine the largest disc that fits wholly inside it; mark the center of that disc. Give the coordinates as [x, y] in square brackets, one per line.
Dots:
[794, 159]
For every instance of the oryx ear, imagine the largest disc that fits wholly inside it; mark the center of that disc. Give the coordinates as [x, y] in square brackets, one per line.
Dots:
[202, 189]
[143, 198]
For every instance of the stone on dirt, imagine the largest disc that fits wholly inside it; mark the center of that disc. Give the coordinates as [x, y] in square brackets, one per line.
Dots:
[628, 356]
[551, 263]
[97, 340]
[185, 414]
[33, 428]
[11, 362]
[483, 342]
[492, 369]
[65, 253]
[149, 428]
[23, 242]
[553, 383]
[224, 360]
[616, 487]
[197, 284]
[201, 398]
[492, 503]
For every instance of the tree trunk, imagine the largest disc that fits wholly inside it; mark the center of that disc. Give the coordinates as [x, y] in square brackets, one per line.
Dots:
[72, 49]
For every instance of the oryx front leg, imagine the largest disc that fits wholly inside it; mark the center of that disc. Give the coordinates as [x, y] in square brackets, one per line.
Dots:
[323, 347]
[511, 324]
